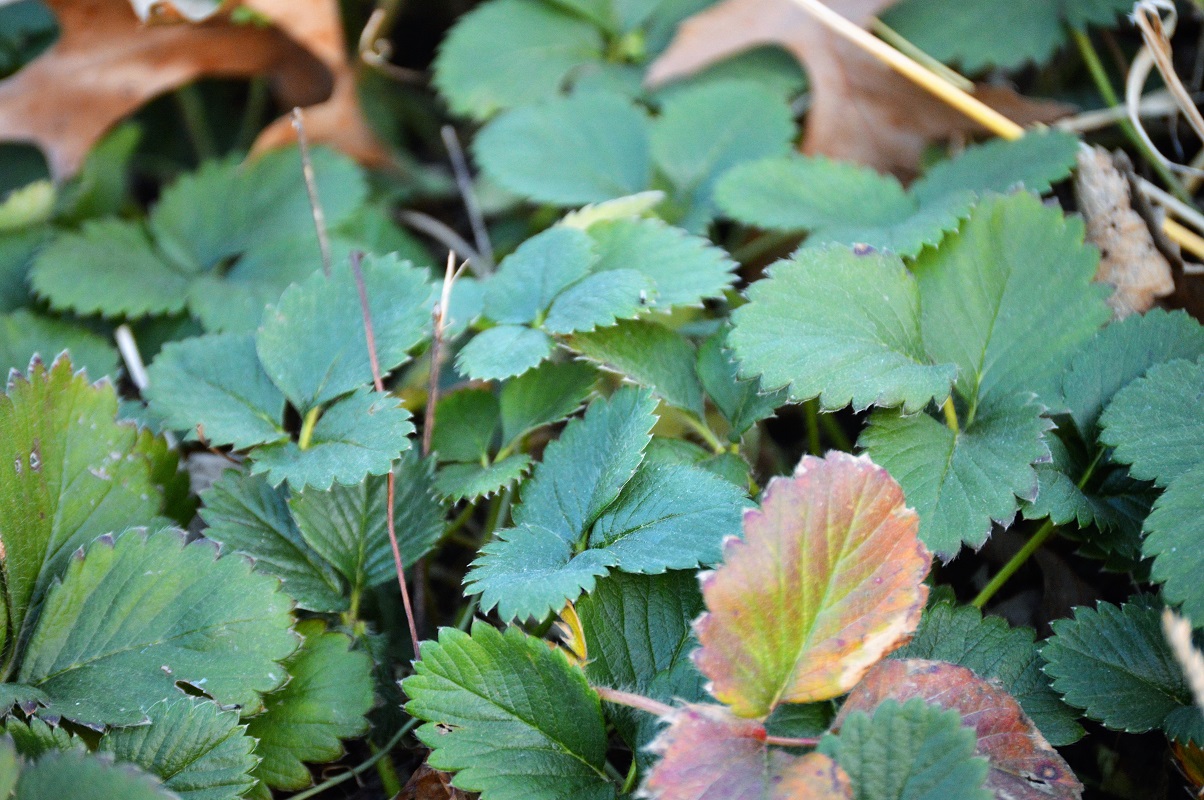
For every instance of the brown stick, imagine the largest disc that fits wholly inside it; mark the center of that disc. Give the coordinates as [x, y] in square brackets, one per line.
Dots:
[311, 188]
[390, 482]
[439, 316]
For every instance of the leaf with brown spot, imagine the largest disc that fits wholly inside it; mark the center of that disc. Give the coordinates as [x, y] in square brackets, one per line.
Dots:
[1023, 765]
[861, 110]
[827, 580]
[708, 754]
[1129, 257]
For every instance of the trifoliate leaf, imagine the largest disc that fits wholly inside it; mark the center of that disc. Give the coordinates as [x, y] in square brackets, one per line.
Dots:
[1034, 161]
[841, 326]
[708, 752]
[1121, 353]
[481, 73]
[456, 482]
[199, 751]
[705, 130]
[568, 151]
[347, 525]
[649, 354]
[544, 395]
[828, 579]
[503, 351]
[683, 269]
[1116, 665]
[246, 515]
[511, 715]
[1022, 764]
[214, 387]
[325, 700]
[80, 776]
[360, 435]
[313, 367]
[930, 753]
[1014, 267]
[584, 470]
[996, 652]
[742, 402]
[68, 474]
[1173, 529]
[137, 279]
[134, 616]
[600, 300]
[1153, 422]
[961, 482]
[24, 334]
[466, 423]
[542, 267]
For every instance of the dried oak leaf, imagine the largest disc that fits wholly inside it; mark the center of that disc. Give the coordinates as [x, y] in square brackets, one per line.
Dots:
[1130, 259]
[709, 754]
[1023, 765]
[860, 109]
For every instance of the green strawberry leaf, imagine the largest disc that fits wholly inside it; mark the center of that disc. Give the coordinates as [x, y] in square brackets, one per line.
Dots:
[199, 751]
[705, 130]
[347, 525]
[960, 482]
[214, 387]
[359, 435]
[481, 73]
[143, 613]
[69, 473]
[1034, 162]
[930, 753]
[34, 738]
[569, 151]
[840, 326]
[1173, 529]
[544, 395]
[1116, 665]
[246, 515]
[24, 334]
[529, 279]
[75, 774]
[466, 424]
[313, 367]
[998, 653]
[600, 300]
[510, 715]
[649, 354]
[503, 352]
[328, 693]
[1153, 422]
[743, 402]
[455, 482]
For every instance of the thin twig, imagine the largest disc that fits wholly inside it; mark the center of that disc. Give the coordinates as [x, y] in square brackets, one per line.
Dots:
[376, 51]
[390, 481]
[444, 235]
[132, 357]
[476, 219]
[439, 318]
[311, 188]
[314, 791]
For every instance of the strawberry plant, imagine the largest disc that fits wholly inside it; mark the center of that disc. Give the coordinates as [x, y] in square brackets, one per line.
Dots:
[771, 431]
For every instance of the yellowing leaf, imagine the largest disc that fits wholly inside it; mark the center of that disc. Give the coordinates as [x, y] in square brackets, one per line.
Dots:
[827, 580]
[1023, 766]
[708, 753]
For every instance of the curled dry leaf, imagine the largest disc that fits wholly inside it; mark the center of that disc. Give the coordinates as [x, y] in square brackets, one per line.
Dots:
[827, 579]
[107, 63]
[1023, 765]
[709, 754]
[860, 109]
[428, 783]
[1129, 256]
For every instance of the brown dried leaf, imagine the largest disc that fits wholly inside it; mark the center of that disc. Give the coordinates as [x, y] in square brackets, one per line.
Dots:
[709, 754]
[428, 783]
[1023, 765]
[860, 110]
[1129, 257]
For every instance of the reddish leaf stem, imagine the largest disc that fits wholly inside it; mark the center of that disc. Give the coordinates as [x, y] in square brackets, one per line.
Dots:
[634, 701]
[356, 259]
[790, 741]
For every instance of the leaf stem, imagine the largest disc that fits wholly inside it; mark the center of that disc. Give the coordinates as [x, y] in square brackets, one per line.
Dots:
[834, 432]
[791, 741]
[629, 781]
[192, 109]
[950, 414]
[307, 427]
[811, 411]
[703, 430]
[1039, 538]
[314, 791]
[637, 701]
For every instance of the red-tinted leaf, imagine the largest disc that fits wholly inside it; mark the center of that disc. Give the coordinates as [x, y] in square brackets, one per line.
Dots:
[708, 754]
[827, 580]
[1023, 765]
